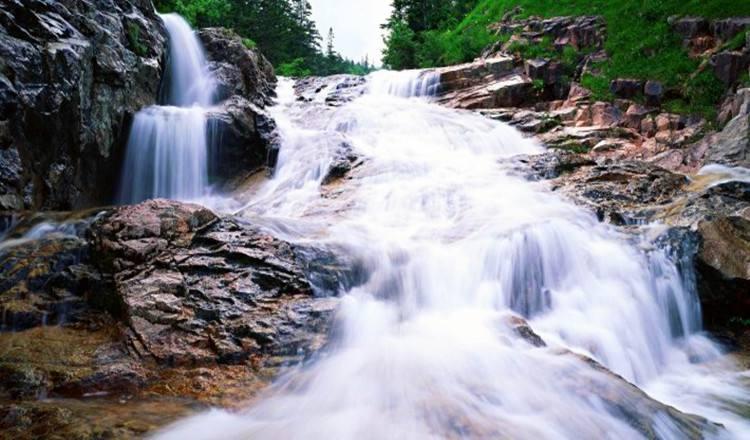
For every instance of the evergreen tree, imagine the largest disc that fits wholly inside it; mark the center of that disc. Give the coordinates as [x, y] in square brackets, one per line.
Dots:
[329, 47]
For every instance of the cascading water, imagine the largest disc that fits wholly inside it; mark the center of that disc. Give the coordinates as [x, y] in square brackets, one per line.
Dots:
[455, 246]
[167, 149]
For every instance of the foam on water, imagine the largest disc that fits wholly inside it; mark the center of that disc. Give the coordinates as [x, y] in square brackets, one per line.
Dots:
[455, 243]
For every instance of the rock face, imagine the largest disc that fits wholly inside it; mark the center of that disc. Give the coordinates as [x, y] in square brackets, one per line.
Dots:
[241, 133]
[238, 70]
[72, 76]
[731, 146]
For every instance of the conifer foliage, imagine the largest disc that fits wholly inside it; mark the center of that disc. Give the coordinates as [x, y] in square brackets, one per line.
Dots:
[282, 29]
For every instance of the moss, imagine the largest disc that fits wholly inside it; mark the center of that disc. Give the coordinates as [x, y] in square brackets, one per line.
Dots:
[134, 39]
[249, 44]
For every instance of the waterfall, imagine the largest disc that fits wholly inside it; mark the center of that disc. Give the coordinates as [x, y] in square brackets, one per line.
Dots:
[455, 243]
[166, 152]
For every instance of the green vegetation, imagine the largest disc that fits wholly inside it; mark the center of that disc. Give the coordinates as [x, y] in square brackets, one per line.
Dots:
[639, 41]
[248, 43]
[283, 30]
[134, 38]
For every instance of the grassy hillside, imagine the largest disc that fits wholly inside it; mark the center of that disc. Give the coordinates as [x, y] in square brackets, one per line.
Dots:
[640, 42]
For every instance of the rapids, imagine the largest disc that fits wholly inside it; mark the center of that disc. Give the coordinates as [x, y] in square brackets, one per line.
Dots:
[455, 243]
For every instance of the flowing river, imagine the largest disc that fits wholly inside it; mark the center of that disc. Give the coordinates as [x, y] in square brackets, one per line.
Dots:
[457, 247]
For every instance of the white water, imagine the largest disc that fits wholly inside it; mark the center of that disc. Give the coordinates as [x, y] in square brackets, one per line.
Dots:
[167, 148]
[455, 243]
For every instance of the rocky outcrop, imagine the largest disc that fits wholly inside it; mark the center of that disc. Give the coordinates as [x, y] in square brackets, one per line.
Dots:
[237, 69]
[73, 74]
[198, 289]
[158, 299]
[241, 133]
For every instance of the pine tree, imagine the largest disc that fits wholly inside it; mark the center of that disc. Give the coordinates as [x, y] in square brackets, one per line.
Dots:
[329, 47]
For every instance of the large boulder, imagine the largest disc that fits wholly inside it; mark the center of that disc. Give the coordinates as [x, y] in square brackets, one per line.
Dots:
[199, 289]
[71, 77]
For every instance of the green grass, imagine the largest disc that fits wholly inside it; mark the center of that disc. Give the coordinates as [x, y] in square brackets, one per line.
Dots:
[639, 41]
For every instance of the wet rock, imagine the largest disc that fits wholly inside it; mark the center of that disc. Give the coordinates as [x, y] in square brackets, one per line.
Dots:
[552, 164]
[238, 70]
[510, 91]
[241, 136]
[73, 74]
[343, 162]
[331, 90]
[197, 289]
[720, 216]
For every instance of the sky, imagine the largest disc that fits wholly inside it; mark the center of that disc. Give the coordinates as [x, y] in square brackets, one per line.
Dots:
[356, 25]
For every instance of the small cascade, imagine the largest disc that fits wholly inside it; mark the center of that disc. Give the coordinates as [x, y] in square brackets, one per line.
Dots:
[167, 152]
[413, 83]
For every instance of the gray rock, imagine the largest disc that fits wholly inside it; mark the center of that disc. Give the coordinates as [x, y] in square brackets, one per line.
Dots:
[72, 76]
[727, 28]
[241, 137]
[626, 88]
[731, 146]
[729, 66]
[237, 69]
[691, 27]
[653, 91]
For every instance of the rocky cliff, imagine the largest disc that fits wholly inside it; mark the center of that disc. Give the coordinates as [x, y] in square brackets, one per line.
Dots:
[72, 76]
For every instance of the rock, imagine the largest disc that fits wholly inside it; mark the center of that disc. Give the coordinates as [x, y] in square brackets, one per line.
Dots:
[634, 116]
[653, 91]
[332, 90]
[549, 72]
[730, 65]
[241, 137]
[197, 289]
[73, 74]
[581, 32]
[465, 76]
[608, 145]
[691, 27]
[605, 115]
[727, 28]
[577, 94]
[238, 69]
[720, 217]
[731, 146]
[344, 161]
[626, 88]
[510, 91]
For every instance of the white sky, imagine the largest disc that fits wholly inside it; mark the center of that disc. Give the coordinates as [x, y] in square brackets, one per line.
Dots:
[356, 25]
